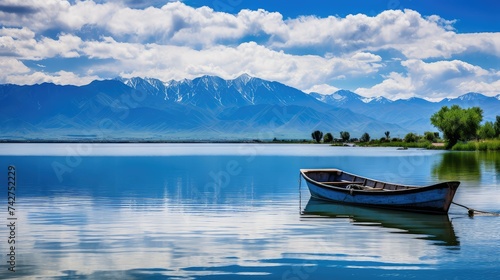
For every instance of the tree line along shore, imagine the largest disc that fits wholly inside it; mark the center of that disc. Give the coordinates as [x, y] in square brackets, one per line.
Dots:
[461, 130]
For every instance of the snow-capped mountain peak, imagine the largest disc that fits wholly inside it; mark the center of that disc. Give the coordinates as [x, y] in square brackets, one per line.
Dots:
[147, 85]
[381, 100]
[213, 92]
[471, 96]
[356, 97]
[244, 78]
[340, 97]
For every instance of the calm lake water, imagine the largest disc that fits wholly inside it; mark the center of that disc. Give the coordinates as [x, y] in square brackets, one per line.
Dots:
[235, 211]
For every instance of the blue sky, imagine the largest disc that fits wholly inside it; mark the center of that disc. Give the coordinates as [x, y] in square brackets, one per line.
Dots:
[391, 48]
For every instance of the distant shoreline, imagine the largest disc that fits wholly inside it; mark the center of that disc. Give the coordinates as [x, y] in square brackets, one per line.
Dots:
[490, 145]
[44, 141]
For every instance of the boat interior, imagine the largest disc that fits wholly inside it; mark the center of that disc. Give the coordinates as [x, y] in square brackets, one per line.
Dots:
[341, 179]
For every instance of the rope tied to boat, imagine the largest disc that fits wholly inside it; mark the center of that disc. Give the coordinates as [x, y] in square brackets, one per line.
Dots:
[471, 211]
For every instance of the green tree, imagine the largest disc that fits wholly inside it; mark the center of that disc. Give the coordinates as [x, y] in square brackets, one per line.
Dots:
[345, 136]
[457, 123]
[497, 126]
[317, 135]
[487, 131]
[328, 138]
[472, 121]
[411, 137]
[365, 137]
[430, 136]
[387, 135]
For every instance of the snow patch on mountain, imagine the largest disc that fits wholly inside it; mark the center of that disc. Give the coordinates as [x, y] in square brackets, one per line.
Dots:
[366, 99]
[471, 96]
[376, 100]
[245, 78]
[337, 97]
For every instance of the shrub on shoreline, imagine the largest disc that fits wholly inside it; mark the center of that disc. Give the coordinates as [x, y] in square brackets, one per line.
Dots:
[420, 144]
[487, 145]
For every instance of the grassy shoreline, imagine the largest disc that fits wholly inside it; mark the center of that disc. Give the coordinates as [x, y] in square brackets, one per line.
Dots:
[405, 145]
[483, 145]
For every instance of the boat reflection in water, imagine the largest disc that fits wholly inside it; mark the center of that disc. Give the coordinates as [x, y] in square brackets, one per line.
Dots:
[433, 227]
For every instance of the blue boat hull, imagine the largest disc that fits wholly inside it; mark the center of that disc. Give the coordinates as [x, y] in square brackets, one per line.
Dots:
[432, 199]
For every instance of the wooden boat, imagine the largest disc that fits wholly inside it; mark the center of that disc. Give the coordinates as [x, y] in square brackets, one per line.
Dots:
[339, 186]
[436, 228]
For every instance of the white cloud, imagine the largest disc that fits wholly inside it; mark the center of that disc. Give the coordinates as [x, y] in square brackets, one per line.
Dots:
[176, 23]
[60, 77]
[14, 39]
[490, 88]
[179, 24]
[138, 3]
[435, 81]
[17, 33]
[65, 46]
[33, 14]
[109, 48]
[442, 70]
[401, 30]
[395, 86]
[83, 13]
[303, 72]
[143, 24]
[176, 62]
[176, 41]
[22, 44]
[322, 88]
[12, 66]
[366, 56]
[488, 43]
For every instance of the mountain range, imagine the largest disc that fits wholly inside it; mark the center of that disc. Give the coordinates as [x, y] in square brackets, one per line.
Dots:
[208, 108]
